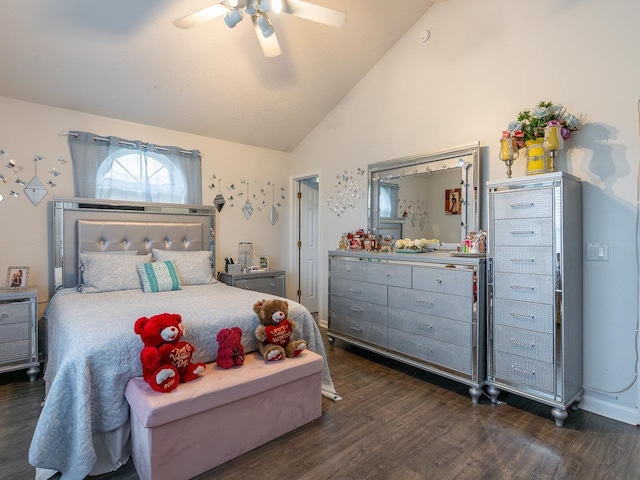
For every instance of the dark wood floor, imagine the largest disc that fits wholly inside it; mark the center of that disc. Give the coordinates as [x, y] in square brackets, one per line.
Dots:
[394, 422]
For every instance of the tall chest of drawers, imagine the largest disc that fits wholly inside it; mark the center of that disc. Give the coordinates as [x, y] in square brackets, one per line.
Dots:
[426, 310]
[535, 290]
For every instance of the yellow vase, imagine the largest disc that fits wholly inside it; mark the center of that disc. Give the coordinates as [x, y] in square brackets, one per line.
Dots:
[537, 157]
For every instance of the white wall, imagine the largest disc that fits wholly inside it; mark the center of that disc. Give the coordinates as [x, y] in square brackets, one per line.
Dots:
[28, 129]
[486, 61]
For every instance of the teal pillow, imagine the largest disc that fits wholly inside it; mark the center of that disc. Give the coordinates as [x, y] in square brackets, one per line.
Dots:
[158, 276]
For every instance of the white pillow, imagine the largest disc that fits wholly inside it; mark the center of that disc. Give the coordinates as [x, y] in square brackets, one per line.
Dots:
[106, 273]
[193, 267]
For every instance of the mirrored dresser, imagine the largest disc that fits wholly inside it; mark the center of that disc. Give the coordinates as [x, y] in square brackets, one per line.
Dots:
[534, 288]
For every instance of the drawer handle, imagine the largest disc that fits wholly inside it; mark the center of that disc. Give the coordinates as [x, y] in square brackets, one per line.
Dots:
[521, 315]
[425, 302]
[519, 287]
[273, 285]
[522, 232]
[522, 205]
[241, 281]
[355, 290]
[354, 309]
[424, 325]
[5, 315]
[356, 329]
[438, 280]
[523, 260]
[424, 349]
[522, 344]
[520, 370]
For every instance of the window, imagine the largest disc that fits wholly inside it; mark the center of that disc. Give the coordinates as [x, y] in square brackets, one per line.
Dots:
[389, 199]
[117, 169]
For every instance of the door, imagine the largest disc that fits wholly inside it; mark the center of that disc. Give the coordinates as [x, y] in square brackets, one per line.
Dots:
[308, 204]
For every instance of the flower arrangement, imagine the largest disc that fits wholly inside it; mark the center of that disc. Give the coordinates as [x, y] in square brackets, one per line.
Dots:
[418, 244]
[529, 125]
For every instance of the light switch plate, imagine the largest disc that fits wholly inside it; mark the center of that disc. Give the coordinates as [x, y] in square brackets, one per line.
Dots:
[596, 252]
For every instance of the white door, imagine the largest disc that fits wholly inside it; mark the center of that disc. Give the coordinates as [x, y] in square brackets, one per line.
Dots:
[308, 204]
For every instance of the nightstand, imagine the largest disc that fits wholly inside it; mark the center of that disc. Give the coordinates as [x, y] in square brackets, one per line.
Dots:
[270, 281]
[19, 331]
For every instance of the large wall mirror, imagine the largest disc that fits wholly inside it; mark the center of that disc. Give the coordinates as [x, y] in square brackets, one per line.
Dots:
[431, 196]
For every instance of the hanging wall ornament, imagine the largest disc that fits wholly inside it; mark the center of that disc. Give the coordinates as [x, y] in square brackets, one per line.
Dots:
[35, 189]
[219, 200]
[273, 213]
[346, 192]
[247, 208]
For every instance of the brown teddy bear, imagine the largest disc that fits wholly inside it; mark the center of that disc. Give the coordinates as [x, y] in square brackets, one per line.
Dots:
[274, 331]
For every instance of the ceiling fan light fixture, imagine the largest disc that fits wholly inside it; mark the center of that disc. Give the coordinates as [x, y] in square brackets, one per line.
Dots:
[237, 3]
[272, 6]
[233, 17]
[265, 25]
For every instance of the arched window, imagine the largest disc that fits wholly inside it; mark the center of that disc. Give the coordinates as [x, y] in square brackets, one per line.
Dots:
[140, 176]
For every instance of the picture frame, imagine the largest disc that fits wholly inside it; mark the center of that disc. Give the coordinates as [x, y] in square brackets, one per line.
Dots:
[264, 263]
[452, 201]
[17, 278]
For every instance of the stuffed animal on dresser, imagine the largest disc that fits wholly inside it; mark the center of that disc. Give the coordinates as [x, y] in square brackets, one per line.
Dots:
[275, 329]
[230, 349]
[166, 360]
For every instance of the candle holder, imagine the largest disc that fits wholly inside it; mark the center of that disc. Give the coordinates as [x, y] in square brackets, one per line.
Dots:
[553, 143]
[508, 152]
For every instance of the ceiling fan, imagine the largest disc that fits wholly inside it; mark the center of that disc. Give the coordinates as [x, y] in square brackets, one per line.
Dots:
[233, 12]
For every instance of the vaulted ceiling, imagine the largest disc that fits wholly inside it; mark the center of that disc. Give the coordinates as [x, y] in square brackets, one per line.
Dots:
[125, 59]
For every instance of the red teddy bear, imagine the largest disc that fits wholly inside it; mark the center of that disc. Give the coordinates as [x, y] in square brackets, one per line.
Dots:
[230, 349]
[165, 359]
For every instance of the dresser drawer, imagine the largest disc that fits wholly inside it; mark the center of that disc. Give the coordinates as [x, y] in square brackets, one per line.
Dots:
[524, 231]
[389, 274]
[360, 329]
[16, 312]
[438, 328]
[528, 288]
[358, 310]
[367, 292]
[272, 285]
[451, 356]
[525, 343]
[444, 280]
[530, 316]
[432, 303]
[529, 260]
[523, 203]
[525, 371]
[15, 351]
[354, 270]
[13, 332]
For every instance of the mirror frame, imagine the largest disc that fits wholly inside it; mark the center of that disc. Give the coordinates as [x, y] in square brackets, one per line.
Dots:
[465, 157]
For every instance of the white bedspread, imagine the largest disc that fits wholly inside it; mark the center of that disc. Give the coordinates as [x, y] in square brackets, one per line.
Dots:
[93, 352]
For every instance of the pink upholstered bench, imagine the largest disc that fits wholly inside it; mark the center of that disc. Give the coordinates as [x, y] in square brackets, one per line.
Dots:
[221, 415]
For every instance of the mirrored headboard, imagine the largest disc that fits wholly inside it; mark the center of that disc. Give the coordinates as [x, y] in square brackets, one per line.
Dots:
[431, 196]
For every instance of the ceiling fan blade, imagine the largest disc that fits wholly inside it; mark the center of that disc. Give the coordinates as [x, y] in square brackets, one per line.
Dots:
[202, 16]
[270, 45]
[315, 13]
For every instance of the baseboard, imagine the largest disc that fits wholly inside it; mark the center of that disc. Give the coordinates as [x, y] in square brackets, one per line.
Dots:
[601, 406]
[322, 323]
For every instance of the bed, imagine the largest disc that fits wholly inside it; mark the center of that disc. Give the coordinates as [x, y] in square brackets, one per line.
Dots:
[92, 350]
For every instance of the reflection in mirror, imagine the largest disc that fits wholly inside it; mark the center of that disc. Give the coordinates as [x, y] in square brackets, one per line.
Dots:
[431, 196]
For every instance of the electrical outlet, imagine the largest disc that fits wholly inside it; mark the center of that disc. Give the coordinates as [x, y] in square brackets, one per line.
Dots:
[596, 252]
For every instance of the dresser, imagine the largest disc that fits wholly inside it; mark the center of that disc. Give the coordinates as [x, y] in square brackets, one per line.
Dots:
[426, 310]
[534, 277]
[270, 281]
[19, 331]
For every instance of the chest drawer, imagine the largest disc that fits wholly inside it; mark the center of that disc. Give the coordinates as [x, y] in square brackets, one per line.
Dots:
[526, 371]
[444, 280]
[451, 356]
[528, 288]
[357, 310]
[16, 312]
[348, 269]
[360, 329]
[527, 315]
[526, 343]
[530, 260]
[367, 292]
[523, 204]
[388, 274]
[432, 303]
[438, 328]
[525, 232]
[272, 285]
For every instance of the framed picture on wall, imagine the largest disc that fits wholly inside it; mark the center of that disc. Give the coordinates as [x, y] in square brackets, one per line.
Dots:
[17, 277]
[452, 201]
